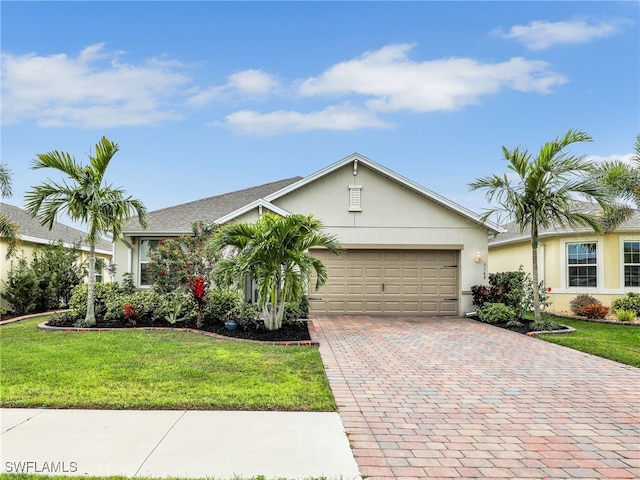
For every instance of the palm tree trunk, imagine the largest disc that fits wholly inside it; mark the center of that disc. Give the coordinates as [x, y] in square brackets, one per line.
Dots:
[534, 275]
[90, 319]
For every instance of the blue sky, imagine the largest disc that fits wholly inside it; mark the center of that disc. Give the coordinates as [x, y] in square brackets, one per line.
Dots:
[209, 97]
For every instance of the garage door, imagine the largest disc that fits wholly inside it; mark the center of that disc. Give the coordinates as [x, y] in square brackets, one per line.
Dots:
[409, 282]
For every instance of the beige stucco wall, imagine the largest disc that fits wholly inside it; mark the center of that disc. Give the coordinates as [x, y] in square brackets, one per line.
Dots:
[552, 264]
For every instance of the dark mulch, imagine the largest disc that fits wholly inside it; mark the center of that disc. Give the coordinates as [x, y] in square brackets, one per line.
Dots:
[290, 332]
[524, 328]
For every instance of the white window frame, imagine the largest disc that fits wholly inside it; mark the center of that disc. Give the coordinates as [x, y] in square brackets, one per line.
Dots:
[564, 273]
[624, 240]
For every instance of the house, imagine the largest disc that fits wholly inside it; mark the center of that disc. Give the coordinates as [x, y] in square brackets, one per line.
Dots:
[32, 234]
[408, 249]
[574, 261]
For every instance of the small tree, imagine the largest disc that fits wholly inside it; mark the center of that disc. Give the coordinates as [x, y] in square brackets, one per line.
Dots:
[275, 251]
[543, 194]
[87, 199]
[177, 260]
[21, 288]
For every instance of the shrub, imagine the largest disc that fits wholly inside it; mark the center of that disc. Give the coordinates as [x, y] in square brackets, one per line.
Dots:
[508, 288]
[46, 282]
[581, 301]
[545, 323]
[625, 315]
[496, 313]
[104, 293]
[20, 289]
[221, 305]
[483, 294]
[595, 310]
[630, 302]
[294, 311]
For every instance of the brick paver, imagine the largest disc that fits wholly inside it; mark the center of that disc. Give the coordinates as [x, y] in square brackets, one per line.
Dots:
[454, 398]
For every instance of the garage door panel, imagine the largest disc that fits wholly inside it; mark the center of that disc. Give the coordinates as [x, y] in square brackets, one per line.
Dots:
[415, 282]
[450, 290]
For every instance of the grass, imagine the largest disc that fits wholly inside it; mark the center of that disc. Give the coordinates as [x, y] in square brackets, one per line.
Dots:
[155, 370]
[616, 342]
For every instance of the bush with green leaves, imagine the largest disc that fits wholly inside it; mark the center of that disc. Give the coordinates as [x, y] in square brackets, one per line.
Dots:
[103, 294]
[497, 313]
[581, 301]
[20, 289]
[295, 311]
[54, 268]
[625, 315]
[221, 305]
[630, 302]
[546, 323]
[508, 288]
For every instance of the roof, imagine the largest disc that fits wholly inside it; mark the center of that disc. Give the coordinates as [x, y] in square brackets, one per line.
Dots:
[439, 199]
[223, 208]
[178, 219]
[32, 231]
[512, 232]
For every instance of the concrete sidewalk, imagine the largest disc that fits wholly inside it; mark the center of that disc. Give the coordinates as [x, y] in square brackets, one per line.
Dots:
[220, 444]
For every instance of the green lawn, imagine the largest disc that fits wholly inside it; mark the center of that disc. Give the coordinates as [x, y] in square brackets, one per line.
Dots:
[155, 370]
[616, 342]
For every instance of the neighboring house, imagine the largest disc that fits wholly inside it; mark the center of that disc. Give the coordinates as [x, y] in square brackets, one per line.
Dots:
[575, 261]
[32, 234]
[408, 250]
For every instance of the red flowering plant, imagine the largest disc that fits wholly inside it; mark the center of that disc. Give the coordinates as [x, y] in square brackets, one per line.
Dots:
[199, 289]
[131, 314]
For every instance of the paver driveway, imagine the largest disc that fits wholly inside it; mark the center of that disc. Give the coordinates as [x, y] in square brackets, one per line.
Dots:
[454, 398]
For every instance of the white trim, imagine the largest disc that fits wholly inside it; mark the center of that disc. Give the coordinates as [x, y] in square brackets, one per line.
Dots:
[44, 241]
[621, 261]
[564, 266]
[392, 175]
[260, 203]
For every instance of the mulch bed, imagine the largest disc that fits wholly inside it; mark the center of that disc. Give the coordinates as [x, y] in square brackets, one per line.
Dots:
[292, 332]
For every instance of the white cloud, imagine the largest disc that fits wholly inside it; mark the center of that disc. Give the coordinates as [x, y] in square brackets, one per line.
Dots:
[341, 117]
[92, 90]
[247, 83]
[397, 83]
[539, 35]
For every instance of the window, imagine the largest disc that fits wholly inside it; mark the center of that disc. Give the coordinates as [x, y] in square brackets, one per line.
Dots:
[582, 264]
[99, 277]
[632, 264]
[146, 246]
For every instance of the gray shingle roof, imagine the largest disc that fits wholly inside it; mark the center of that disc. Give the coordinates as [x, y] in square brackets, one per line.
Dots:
[513, 233]
[178, 219]
[30, 227]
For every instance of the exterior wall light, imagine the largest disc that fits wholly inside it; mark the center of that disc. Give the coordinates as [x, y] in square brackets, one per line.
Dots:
[477, 257]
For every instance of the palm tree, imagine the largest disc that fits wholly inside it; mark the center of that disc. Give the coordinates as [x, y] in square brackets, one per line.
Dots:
[275, 251]
[8, 229]
[103, 208]
[622, 182]
[544, 193]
